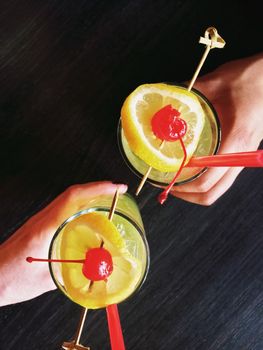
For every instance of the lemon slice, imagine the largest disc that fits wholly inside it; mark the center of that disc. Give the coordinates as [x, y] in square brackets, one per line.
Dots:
[137, 112]
[82, 234]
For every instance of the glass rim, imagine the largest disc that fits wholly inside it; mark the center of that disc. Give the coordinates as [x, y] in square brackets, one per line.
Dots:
[190, 179]
[107, 210]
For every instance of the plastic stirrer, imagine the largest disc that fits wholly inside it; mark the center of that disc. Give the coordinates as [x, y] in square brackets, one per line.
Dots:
[212, 40]
[242, 159]
[114, 324]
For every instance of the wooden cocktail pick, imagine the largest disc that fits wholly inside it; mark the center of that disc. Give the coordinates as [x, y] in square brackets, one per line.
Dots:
[146, 175]
[75, 345]
[114, 325]
[212, 40]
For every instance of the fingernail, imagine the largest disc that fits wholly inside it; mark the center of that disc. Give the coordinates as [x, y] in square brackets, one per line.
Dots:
[122, 187]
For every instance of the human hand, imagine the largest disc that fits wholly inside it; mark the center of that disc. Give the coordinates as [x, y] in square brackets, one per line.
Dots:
[20, 280]
[235, 89]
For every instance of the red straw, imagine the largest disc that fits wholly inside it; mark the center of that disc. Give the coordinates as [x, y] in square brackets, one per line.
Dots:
[243, 159]
[114, 325]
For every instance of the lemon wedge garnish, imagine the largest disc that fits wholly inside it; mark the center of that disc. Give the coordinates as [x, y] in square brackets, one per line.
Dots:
[86, 232]
[136, 114]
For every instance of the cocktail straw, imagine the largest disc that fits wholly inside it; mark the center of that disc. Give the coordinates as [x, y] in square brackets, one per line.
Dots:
[242, 159]
[114, 324]
[212, 40]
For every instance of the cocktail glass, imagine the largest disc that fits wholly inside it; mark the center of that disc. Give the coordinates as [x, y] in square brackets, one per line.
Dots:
[130, 261]
[208, 145]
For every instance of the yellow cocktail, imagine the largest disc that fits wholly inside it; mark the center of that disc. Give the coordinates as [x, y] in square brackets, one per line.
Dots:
[90, 231]
[200, 116]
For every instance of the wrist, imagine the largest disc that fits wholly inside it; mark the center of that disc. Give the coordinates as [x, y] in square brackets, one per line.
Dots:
[21, 281]
[5, 267]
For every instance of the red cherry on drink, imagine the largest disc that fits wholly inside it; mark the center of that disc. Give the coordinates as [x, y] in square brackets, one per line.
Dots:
[167, 125]
[98, 264]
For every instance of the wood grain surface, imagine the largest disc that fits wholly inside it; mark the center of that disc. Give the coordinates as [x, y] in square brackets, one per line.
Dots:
[65, 70]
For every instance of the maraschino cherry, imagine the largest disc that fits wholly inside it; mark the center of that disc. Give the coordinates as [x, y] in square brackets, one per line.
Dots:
[167, 125]
[97, 266]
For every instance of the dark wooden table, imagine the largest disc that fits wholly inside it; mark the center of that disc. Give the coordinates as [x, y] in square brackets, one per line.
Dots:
[65, 69]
